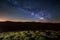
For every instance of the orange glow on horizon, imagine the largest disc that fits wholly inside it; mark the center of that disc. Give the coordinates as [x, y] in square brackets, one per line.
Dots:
[21, 20]
[2, 20]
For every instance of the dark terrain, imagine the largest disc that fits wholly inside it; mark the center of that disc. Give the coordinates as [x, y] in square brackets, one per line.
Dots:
[32, 30]
[15, 26]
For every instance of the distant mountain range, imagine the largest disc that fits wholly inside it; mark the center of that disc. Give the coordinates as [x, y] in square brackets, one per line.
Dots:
[29, 22]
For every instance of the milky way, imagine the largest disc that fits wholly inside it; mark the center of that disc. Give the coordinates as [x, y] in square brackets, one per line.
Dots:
[30, 10]
[33, 9]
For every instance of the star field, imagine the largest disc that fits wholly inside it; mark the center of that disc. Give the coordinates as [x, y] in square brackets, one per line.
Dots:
[31, 10]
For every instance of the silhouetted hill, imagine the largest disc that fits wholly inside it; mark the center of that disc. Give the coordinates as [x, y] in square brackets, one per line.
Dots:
[14, 26]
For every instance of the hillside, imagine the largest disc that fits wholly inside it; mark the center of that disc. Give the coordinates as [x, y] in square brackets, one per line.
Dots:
[14, 26]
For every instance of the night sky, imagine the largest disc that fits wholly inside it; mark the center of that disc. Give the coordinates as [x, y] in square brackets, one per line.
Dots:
[30, 10]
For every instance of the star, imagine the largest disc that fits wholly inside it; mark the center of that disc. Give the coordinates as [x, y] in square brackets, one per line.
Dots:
[41, 18]
[32, 13]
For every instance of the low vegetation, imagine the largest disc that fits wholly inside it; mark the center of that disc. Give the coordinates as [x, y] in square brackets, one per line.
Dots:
[30, 35]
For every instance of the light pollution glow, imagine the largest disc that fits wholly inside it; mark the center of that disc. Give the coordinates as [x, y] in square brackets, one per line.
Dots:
[44, 21]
